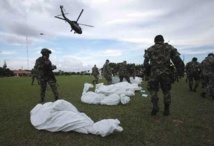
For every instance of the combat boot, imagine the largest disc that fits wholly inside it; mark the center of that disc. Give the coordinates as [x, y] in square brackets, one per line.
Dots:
[57, 98]
[155, 108]
[166, 109]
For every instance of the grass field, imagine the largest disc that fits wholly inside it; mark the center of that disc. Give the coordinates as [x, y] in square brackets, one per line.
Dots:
[191, 122]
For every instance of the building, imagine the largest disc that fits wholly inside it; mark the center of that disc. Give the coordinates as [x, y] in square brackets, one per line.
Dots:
[22, 72]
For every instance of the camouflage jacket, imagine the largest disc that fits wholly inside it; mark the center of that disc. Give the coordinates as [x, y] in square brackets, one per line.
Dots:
[44, 69]
[123, 70]
[193, 67]
[106, 70]
[207, 66]
[95, 71]
[159, 57]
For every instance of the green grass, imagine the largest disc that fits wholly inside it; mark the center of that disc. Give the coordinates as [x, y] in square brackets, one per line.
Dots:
[190, 123]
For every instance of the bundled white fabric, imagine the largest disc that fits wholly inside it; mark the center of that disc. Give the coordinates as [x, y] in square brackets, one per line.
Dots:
[124, 99]
[99, 98]
[137, 80]
[63, 116]
[115, 80]
[112, 99]
[119, 88]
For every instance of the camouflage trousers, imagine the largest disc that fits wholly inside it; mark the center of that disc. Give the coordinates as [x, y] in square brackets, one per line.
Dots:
[162, 81]
[96, 78]
[124, 76]
[209, 89]
[108, 79]
[43, 86]
[194, 77]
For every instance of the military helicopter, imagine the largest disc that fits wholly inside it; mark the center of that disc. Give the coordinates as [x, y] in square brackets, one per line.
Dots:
[74, 25]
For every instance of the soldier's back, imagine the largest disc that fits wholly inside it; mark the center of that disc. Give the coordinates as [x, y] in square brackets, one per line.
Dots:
[160, 55]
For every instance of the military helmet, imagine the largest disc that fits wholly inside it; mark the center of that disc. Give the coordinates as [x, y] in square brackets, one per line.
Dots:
[194, 59]
[210, 54]
[45, 51]
[159, 38]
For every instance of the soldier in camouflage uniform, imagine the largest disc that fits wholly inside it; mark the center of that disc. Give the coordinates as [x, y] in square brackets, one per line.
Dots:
[208, 74]
[107, 73]
[157, 58]
[123, 72]
[133, 71]
[193, 70]
[46, 75]
[95, 73]
[34, 74]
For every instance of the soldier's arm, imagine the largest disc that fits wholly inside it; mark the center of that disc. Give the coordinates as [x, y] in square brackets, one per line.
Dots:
[146, 60]
[177, 61]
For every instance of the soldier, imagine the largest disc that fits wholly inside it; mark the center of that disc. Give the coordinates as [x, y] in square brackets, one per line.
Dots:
[208, 74]
[95, 73]
[107, 73]
[34, 74]
[193, 70]
[123, 72]
[133, 71]
[157, 59]
[46, 75]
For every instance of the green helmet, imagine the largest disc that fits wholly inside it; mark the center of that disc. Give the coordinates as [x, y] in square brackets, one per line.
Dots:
[45, 51]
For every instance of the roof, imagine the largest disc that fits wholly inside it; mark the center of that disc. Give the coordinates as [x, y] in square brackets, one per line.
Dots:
[21, 72]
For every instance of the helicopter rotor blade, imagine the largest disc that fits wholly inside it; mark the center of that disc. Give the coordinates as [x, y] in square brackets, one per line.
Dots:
[85, 25]
[79, 15]
[61, 14]
[59, 17]
[64, 9]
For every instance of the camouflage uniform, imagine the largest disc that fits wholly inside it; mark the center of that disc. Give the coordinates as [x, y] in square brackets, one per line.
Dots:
[123, 72]
[208, 74]
[159, 56]
[193, 70]
[107, 73]
[95, 73]
[46, 75]
[34, 74]
[133, 72]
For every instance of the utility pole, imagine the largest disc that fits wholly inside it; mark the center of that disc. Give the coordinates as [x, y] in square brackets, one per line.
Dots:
[27, 52]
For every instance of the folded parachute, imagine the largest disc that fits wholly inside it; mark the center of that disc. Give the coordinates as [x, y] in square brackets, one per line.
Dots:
[63, 116]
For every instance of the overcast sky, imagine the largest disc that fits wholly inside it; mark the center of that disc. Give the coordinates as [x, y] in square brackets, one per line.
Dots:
[122, 30]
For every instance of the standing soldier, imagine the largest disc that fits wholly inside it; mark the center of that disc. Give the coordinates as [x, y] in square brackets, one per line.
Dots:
[133, 71]
[95, 73]
[34, 74]
[123, 72]
[46, 75]
[158, 58]
[107, 73]
[208, 74]
[193, 70]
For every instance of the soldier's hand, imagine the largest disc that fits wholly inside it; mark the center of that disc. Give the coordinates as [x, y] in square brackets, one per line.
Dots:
[61, 6]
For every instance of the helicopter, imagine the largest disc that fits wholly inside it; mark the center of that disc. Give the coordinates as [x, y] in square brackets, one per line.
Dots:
[74, 24]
